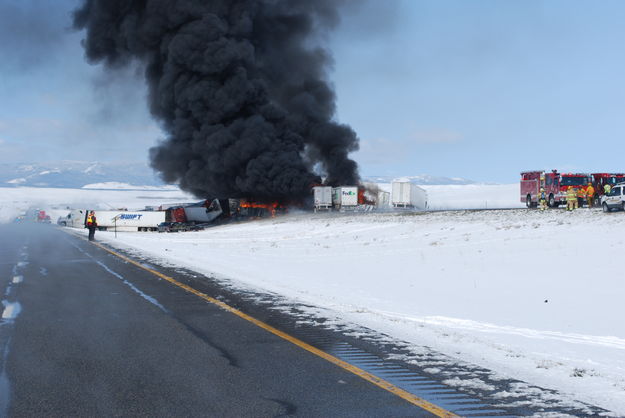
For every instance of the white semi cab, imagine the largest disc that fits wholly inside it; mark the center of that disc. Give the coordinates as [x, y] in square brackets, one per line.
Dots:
[615, 199]
[75, 218]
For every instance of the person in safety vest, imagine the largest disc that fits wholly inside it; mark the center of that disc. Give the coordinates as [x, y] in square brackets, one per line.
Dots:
[607, 188]
[542, 199]
[581, 194]
[91, 224]
[571, 199]
[590, 195]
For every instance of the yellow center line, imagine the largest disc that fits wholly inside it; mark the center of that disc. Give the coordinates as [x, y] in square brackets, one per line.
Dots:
[413, 399]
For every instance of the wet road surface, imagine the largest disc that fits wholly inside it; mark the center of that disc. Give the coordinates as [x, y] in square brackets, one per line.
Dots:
[86, 334]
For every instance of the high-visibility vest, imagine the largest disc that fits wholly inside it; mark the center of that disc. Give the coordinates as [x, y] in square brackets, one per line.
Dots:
[607, 188]
[89, 220]
[590, 191]
[581, 192]
[570, 194]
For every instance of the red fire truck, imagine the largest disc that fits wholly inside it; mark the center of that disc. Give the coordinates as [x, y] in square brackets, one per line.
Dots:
[554, 183]
[599, 180]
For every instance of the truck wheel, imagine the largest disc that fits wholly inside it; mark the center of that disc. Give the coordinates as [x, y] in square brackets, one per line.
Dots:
[623, 206]
[528, 201]
[552, 201]
[605, 207]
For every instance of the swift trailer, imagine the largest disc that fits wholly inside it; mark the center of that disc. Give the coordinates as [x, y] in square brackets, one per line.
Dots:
[554, 183]
[111, 220]
[129, 221]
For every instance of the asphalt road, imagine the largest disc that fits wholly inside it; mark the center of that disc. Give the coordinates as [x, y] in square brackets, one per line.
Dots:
[84, 333]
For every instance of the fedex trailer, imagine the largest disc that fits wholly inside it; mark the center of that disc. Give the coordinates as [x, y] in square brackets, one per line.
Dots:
[345, 197]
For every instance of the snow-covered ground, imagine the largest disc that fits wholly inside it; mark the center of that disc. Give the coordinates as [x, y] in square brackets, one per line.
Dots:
[533, 296]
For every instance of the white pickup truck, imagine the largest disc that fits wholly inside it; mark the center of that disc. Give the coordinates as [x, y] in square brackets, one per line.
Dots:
[615, 199]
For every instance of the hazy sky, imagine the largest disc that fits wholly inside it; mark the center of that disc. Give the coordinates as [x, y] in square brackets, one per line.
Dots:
[474, 89]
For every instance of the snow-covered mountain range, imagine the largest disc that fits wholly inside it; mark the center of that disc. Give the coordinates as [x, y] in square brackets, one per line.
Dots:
[76, 174]
[422, 179]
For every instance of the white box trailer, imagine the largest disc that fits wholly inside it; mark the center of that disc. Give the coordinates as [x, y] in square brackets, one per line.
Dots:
[111, 219]
[323, 197]
[384, 199]
[129, 221]
[345, 197]
[407, 195]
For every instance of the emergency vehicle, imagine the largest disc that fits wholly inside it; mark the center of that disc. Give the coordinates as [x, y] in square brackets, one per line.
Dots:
[615, 199]
[599, 180]
[554, 183]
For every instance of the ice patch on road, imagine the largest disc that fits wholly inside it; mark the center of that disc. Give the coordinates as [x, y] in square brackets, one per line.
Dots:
[18, 279]
[11, 309]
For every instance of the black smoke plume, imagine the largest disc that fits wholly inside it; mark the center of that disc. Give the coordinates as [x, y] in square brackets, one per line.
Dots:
[239, 86]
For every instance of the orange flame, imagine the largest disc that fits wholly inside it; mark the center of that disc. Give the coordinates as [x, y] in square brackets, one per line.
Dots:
[269, 207]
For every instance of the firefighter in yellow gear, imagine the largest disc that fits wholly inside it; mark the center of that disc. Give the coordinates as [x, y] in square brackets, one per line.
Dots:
[607, 188]
[590, 195]
[571, 199]
[542, 199]
[581, 194]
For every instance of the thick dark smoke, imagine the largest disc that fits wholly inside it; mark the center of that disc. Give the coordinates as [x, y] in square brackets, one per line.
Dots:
[239, 86]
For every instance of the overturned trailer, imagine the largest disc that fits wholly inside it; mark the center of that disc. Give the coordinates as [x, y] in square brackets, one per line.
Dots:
[205, 211]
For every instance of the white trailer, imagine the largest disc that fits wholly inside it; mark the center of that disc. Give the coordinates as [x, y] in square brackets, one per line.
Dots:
[407, 195]
[323, 197]
[345, 197]
[129, 221]
[384, 200]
